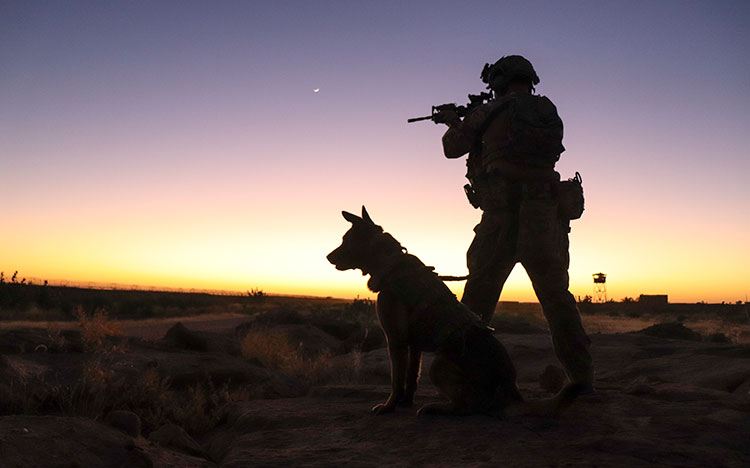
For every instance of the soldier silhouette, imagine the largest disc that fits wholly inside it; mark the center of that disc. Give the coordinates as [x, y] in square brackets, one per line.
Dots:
[513, 142]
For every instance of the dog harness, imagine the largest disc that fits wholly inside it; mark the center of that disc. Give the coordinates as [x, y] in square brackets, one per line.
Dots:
[418, 287]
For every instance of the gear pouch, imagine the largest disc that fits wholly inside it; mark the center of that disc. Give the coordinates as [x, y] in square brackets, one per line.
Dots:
[570, 197]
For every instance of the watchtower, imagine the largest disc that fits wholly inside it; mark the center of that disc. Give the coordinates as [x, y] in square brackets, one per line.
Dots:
[600, 287]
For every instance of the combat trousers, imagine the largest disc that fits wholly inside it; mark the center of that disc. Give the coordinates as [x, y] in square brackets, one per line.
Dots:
[533, 234]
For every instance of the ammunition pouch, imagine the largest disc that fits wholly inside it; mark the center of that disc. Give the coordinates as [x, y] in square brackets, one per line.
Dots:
[471, 195]
[570, 197]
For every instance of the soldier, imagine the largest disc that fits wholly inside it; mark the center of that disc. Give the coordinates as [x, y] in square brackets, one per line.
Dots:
[513, 144]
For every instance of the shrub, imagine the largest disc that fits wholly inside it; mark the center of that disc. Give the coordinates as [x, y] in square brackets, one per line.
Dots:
[95, 328]
[197, 410]
[362, 311]
[88, 397]
[257, 295]
[273, 350]
[350, 370]
[359, 312]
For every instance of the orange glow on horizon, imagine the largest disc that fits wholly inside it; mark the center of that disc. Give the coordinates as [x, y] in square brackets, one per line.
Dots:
[198, 156]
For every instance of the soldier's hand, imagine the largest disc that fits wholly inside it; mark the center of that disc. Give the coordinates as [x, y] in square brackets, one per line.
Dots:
[447, 117]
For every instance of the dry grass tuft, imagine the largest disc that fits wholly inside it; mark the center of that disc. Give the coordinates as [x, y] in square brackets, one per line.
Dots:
[351, 370]
[95, 328]
[273, 350]
[197, 409]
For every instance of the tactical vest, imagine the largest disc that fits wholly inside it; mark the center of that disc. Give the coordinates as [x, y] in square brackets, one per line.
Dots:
[521, 129]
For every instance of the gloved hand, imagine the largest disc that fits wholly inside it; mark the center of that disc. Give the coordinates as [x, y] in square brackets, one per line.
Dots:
[447, 117]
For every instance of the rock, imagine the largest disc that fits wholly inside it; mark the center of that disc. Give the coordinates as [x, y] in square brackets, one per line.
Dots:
[180, 337]
[173, 436]
[22, 340]
[674, 331]
[552, 379]
[53, 441]
[718, 338]
[26, 340]
[337, 328]
[271, 318]
[188, 371]
[125, 421]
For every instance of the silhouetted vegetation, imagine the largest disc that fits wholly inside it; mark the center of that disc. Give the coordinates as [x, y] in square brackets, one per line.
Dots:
[257, 294]
[24, 301]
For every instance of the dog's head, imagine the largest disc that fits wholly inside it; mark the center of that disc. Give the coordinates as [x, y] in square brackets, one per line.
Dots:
[355, 249]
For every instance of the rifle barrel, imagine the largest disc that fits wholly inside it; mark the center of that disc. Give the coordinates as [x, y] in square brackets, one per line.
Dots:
[418, 119]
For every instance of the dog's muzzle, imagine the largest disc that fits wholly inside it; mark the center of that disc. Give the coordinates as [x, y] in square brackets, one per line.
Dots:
[332, 258]
[338, 259]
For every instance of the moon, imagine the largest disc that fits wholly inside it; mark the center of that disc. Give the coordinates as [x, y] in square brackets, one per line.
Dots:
[316, 90]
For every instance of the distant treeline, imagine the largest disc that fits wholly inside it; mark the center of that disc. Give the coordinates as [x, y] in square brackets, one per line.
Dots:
[734, 313]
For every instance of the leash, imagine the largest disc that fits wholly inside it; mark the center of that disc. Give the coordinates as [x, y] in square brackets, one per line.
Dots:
[447, 277]
[452, 278]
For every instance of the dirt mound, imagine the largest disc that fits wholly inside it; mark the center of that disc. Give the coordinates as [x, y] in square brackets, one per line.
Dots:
[180, 337]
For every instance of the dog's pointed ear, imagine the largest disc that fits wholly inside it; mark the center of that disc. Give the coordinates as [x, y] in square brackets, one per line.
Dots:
[366, 215]
[354, 219]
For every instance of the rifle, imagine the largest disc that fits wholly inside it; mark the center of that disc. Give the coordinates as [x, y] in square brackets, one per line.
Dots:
[474, 101]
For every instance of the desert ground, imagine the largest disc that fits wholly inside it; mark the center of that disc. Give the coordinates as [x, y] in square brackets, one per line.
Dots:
[280, 383]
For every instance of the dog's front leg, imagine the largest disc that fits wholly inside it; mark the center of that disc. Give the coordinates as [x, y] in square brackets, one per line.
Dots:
[394, 321]
[397, 353]
[412, 376]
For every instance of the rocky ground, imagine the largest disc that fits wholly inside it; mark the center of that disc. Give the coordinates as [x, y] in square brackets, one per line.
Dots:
[661, 401]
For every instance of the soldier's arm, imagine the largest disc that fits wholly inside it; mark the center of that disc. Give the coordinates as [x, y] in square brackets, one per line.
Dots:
[461, 134]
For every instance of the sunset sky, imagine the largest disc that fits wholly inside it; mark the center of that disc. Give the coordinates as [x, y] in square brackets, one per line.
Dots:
[181, 144]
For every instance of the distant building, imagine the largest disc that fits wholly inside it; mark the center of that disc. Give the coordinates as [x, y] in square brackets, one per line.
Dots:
[653, 299]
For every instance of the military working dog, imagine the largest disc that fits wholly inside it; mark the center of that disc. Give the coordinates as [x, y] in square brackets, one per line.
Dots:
[418, 313]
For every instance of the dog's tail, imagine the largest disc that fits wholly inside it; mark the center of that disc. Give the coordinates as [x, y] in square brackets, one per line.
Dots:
[553, 407]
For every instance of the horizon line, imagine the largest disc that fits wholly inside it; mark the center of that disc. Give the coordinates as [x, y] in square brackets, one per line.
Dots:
[115, 286]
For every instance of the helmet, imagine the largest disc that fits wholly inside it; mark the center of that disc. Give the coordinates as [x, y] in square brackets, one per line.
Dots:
[508, 68]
